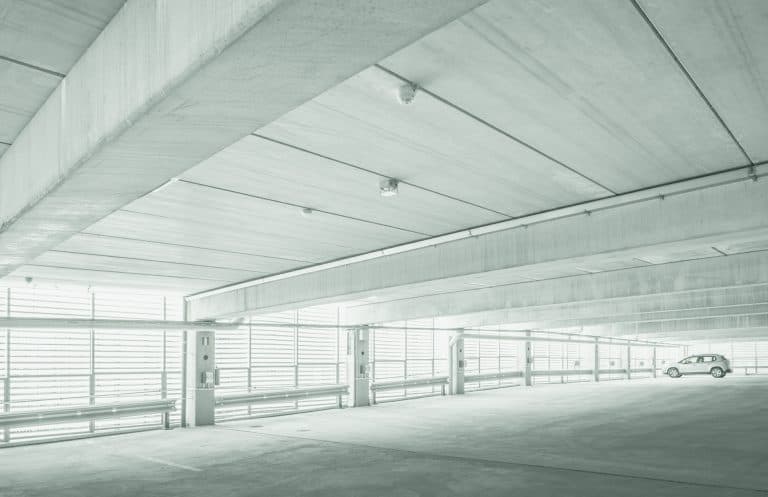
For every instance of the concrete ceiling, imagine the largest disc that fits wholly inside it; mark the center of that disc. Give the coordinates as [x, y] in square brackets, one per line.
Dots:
[523, 108]
[164, 88]
[40, 41]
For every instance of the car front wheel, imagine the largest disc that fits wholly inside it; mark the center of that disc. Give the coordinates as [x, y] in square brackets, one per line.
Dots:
[717, 372]
[673, 373]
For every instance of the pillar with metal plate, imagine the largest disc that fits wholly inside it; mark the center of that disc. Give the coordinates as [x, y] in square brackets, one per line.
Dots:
[201, 378]
[456, 365]
[629, 362]
[528, 361]
[653, 362]
[358, 378]
[596, 369]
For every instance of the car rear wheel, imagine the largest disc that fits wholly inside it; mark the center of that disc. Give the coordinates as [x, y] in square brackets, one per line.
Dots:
[673, 373]
[717, 372]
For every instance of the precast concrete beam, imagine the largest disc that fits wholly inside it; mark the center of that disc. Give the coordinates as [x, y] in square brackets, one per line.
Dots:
[693, 219]
[169, 83]
[687, 304]
[718, 273]
[638, 319]
[739, 335]
[671, 328]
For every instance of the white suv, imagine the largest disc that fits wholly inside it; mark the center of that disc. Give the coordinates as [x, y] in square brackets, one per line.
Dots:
[714, 364]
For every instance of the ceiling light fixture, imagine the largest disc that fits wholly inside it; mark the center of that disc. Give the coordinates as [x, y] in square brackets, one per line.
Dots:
[306, 212]
[388, 187]
[406, 93]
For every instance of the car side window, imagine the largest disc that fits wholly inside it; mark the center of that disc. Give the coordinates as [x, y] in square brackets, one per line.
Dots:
[688, 360]
[710, 358]
[700, 359]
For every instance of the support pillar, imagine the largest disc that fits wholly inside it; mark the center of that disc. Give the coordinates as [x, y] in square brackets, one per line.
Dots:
[359, 381]
[629, 362]
[596, 369]
[528, 361]
[7, 379]
[456, 365]
[166, 416]
[653, 362]
[201, 370]
[92, 365]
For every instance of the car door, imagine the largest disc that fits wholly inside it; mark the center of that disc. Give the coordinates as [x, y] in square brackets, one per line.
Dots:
[687, 365]
[702, 364]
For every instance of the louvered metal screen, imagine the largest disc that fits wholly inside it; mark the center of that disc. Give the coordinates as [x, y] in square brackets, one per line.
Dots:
[408, 350]
[641, 359]
[492, 356]
[281, 352]
[613, 357]
[549, 358]
[48, 369]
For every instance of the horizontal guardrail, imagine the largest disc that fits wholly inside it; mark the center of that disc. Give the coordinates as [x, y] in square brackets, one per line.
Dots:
[88, 412]
[642, 370]
[492, 376]
[613, 371]
[278, 395]
[413, 382]
[562, 372]
[381, 386]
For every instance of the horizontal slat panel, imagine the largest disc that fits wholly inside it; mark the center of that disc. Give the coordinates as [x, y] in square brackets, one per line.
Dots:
[52, 368]
[281, 357]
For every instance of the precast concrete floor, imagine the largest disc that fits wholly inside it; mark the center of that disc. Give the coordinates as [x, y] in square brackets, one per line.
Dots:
[686, 437]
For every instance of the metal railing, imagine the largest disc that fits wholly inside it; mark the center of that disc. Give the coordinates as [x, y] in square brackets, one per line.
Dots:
[85, 412]
[565, 372]
[267, 396]
[470, 378]
[381, 386]
[613, 371]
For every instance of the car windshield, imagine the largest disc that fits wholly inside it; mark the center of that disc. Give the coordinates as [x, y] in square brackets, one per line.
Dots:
[688, 360]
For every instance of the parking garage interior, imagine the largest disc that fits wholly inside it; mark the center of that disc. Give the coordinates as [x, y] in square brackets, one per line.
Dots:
[447, 247]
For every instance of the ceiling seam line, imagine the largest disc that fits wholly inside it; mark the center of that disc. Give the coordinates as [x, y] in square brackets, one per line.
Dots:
[69, 268]
[495, 128]
[690, 79]
[360, 168]
[32, 66]
[235, 192]
[4, 143]
[90, 254]
[142, 240]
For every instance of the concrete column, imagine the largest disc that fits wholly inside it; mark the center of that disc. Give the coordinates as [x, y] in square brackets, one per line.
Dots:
[653, 362]
[528, 362]
[92, 364]
[629, 362]
[201, 371]
[596, 369]
[7, 380]
[456, 364]
[359, 381]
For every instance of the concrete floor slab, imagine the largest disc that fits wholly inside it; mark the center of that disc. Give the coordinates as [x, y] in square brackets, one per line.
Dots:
[687, 437]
